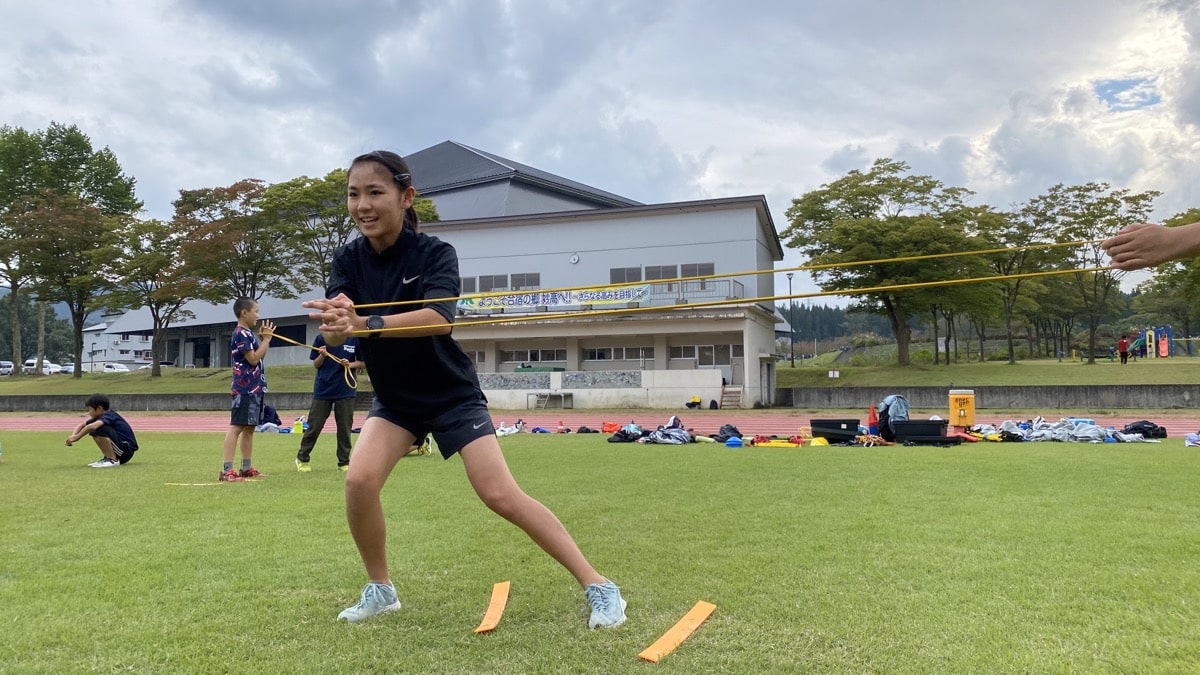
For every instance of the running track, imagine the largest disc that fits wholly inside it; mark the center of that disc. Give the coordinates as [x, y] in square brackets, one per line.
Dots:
[778, 422]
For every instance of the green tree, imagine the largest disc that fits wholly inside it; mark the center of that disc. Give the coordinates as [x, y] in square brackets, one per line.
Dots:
[426, 210]
[880, 214]
[20, 177]
[58, 218]
[67, 258]
[1089, 214]
[233, 245]
[148, 271]
[1016, 233]
[58, 331]
[93, 177]
[315, 209]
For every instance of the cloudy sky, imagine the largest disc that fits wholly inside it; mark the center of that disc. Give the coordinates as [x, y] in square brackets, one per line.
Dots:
[656, 100]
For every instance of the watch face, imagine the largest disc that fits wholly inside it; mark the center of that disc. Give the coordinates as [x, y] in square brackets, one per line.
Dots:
[374, 322]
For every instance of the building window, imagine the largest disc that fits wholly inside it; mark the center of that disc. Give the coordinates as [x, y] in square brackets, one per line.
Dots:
[623, 275]
[123, 352]
[477, 357]
[467, 284]
[697, 270]
[527, 281]
[514, 355]
[683, 352]
[717, 355]
[632, 353]
[493, 282]
[598, 354]
[656, 272]
[544, 355]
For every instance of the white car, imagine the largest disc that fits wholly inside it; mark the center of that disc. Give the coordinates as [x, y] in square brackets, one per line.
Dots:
[48, 368]
[115, 368]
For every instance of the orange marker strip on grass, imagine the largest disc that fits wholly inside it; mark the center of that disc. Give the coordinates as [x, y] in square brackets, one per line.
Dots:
[491, 618]
[678, 633]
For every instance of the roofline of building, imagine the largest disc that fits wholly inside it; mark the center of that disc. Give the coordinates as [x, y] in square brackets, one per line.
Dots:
[514, 172]
[758, 201]
[516, 176]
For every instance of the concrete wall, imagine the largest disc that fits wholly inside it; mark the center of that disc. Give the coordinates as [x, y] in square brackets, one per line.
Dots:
[1129, 396]
[158, 402]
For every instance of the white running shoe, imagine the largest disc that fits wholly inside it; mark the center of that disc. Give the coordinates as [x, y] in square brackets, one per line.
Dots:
[376, 599]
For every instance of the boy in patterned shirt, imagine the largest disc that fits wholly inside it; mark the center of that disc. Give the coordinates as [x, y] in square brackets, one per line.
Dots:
[249, 384]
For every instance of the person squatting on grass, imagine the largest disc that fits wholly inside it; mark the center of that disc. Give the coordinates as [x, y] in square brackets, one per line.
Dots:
[1147, 245]
[424, 383]
[109, 430]
[249, 384]
[331, 393]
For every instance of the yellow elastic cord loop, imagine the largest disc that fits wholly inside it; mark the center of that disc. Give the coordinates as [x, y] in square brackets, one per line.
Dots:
[348, 374]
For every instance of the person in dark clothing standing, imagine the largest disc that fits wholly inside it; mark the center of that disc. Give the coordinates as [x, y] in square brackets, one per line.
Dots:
[331, 393]
[423, 382]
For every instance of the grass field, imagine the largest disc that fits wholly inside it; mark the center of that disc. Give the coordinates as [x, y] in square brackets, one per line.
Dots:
[1043, 372]
[981, 558]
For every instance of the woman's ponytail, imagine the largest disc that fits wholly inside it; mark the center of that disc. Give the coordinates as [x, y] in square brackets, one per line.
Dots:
[411, 221]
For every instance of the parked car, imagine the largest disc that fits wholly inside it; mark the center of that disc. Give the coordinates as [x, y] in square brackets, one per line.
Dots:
[68, 369]
[6, 367]
[48, 368]
[161, 364]
[116, 368]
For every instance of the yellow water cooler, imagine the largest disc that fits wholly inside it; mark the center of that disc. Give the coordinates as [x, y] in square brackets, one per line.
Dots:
[962, 407]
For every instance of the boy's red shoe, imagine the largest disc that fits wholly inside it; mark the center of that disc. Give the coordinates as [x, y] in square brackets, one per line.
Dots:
[230, 476]
[250, 473]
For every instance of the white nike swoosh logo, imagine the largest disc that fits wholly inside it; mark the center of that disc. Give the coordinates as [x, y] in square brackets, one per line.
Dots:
[478, 426]
[409, 281]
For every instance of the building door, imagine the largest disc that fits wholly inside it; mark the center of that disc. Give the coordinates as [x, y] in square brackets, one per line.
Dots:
[766, 382]
[200, 352]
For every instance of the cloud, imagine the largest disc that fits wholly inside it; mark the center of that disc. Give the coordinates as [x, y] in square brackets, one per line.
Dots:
[658, 101]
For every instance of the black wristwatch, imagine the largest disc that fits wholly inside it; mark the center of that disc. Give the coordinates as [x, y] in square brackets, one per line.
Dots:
[375, 323]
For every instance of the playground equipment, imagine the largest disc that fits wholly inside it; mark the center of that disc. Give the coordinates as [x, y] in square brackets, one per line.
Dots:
[1153, 342]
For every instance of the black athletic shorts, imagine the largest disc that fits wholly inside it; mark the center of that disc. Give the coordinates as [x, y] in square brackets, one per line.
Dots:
[452, 429]
[122, 448]
[246, 411]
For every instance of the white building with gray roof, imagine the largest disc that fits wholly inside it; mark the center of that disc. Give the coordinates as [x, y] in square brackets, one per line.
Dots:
[520, 229]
